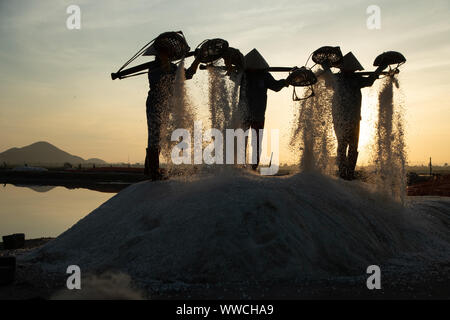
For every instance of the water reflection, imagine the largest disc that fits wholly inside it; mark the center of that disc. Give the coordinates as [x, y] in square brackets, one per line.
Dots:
[45, 211]
[37, 188]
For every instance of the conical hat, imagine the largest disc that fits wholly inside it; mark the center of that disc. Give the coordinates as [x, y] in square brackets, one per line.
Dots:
[150, 51]
[255, 61]
[350, 63]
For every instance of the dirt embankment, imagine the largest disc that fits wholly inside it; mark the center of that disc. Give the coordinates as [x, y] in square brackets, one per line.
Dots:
[437, 185]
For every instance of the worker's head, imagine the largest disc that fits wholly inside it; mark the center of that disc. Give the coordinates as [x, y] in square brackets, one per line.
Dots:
[163, 55]
[254, 62]
[350, 64]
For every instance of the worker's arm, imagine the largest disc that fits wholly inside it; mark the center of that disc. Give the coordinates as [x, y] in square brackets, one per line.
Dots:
[130, 71]
[368, 81]
[234, 61]
[192, 69]
[275, 85]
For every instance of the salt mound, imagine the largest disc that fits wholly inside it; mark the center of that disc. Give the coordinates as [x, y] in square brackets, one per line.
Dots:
[237, 226]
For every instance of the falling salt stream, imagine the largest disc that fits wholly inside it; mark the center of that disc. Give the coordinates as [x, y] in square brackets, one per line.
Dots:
[219, 104]
[223, 102]
[179, 114]
[312, 132]
[390, 148]
[236, 113]
[223, 108]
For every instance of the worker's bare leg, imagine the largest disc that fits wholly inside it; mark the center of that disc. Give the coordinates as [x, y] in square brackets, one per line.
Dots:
[153, 148]
[259, 125]
[353, 152]
[342, 157]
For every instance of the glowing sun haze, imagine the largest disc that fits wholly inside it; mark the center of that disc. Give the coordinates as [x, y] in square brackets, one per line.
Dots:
[56, 82]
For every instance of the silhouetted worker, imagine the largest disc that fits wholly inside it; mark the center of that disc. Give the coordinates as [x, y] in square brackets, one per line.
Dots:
[346, 110]
[253, 95]
[161, 77]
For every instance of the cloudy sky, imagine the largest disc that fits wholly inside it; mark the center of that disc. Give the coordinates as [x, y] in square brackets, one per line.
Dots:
[56, 86]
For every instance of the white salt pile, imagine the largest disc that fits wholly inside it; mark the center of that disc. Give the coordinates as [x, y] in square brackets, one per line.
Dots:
[238, 226]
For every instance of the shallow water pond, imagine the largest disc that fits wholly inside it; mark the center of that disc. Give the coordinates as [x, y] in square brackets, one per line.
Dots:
[44, 211]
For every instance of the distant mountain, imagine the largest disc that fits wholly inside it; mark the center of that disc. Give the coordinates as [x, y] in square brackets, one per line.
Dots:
[95, 160]
[42, 153]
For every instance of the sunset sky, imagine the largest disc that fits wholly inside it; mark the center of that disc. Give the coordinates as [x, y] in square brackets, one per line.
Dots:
[56, 83]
